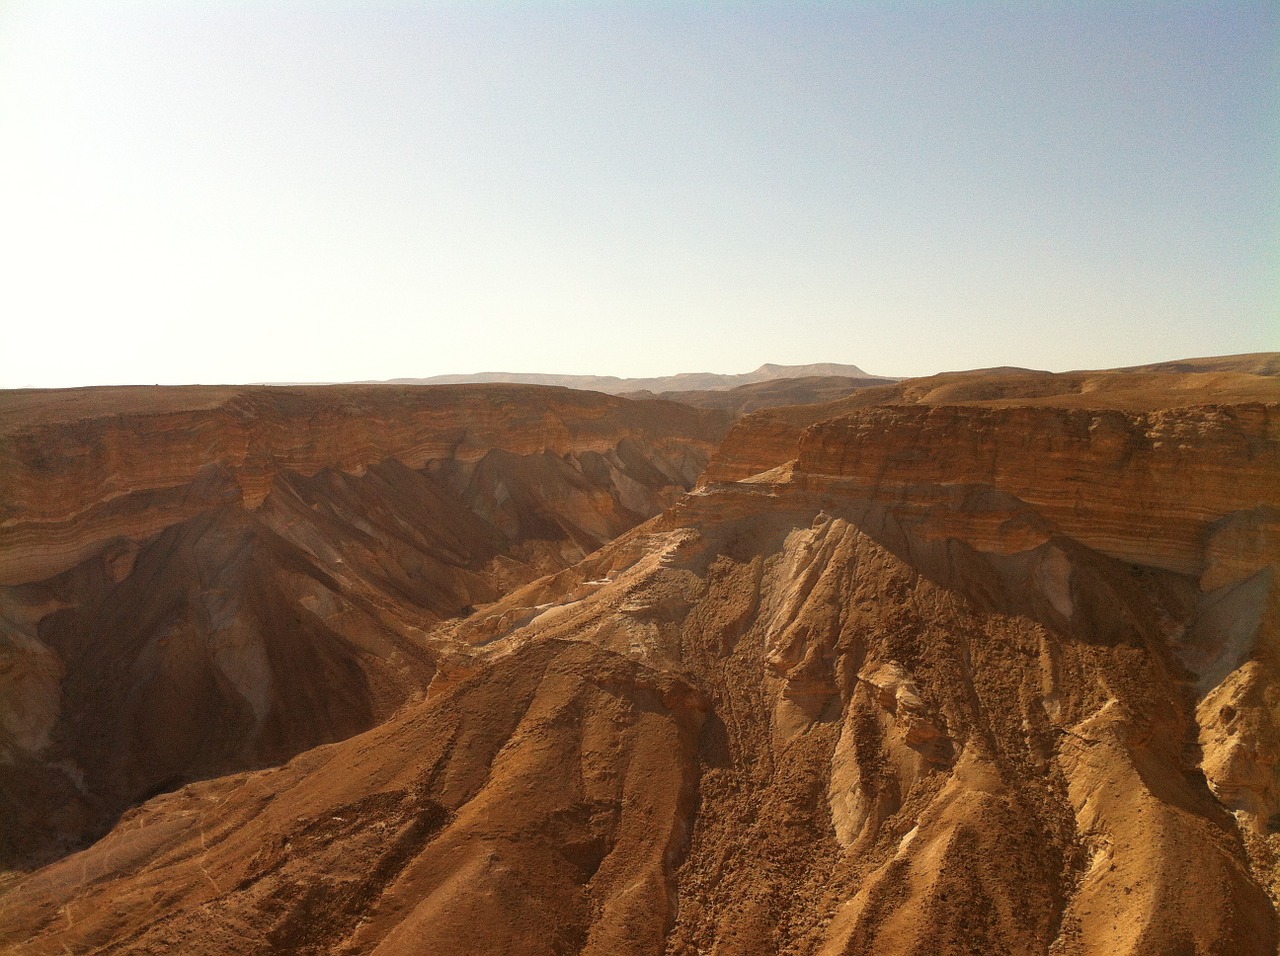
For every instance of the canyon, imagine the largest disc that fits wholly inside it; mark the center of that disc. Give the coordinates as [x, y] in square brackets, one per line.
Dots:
[196, 581]
[983, 662]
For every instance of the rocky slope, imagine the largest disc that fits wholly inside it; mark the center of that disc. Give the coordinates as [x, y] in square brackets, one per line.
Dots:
[771, 435]
[220, 578]
[984, 676]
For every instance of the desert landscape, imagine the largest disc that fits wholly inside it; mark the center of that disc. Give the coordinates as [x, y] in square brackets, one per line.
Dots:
[983, 662]
[639, 479]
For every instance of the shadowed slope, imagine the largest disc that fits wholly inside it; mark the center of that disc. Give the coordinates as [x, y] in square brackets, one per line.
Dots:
[259, 580]
[556, 794]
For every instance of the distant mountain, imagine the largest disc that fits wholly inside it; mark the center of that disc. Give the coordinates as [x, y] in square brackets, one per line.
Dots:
[684, 382]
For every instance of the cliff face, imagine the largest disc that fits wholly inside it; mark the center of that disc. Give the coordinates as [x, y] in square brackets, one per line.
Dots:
[761, 441]
[937, 678]
[1189, 491]
[196, 591]
[771, 436]
[79, 470]
[1150, 488]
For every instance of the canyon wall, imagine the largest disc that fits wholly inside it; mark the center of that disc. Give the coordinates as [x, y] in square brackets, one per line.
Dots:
[239, 575]
[77, 470]
[1148, 488]
[771, 436]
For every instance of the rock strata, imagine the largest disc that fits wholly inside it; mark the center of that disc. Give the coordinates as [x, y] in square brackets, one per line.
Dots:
[1147, 488]
[192, 591]
[77, 474]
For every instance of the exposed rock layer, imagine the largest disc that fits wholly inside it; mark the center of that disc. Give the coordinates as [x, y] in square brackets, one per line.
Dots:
[259, 576]
[81, 468]
[1148, 488]
[771, 436]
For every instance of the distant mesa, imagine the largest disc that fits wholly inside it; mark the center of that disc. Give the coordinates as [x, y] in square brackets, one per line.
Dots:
[981, 662]
[684, 382]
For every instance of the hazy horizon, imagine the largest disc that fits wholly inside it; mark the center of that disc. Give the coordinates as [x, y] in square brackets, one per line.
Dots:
[231, 193]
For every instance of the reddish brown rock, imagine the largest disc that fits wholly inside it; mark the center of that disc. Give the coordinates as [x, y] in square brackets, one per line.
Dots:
[771, 436]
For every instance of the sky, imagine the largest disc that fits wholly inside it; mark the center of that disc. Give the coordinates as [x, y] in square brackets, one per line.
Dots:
[227, 192]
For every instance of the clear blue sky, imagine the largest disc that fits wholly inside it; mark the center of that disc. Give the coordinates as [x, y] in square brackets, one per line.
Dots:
[250, 191]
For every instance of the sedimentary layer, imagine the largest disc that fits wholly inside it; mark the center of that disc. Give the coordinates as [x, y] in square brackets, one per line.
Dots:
[80, 468]
[771, 436]
[1148, 488]
[258, 574]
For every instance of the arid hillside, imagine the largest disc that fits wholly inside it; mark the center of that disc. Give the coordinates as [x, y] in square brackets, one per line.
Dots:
[978, 664]
[771, 435]
[202, 580]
